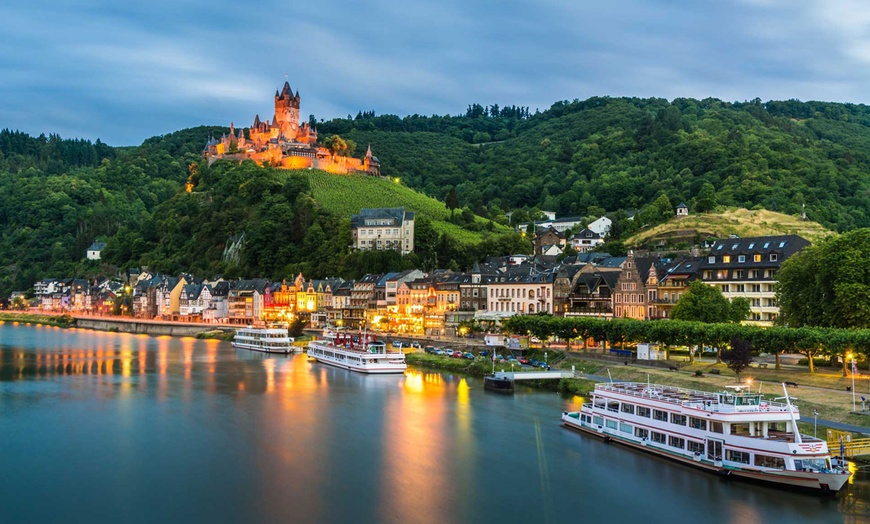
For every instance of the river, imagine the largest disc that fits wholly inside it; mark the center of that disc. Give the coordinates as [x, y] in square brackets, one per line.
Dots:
[110, 427]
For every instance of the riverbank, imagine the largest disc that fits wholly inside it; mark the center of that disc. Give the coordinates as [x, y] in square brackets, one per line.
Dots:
[63, 321]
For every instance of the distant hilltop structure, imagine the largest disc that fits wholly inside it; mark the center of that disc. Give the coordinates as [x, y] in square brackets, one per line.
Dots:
[285, 143]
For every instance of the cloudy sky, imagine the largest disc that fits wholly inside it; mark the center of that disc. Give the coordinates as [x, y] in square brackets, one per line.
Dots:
[125, 70]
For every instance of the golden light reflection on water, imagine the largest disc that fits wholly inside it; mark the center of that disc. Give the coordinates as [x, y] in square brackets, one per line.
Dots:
[415, 462]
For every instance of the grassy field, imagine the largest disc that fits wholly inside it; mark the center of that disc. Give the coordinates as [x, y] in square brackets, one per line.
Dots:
[740, 222]
[345, 195]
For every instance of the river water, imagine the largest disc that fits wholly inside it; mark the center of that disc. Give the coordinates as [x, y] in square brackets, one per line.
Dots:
[109, 427]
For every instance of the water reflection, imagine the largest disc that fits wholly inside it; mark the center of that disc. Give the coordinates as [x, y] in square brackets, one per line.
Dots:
[247, 436]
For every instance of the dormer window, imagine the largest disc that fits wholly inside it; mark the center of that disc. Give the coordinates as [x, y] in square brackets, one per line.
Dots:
[726, 259]
[756, 258]
[711, 260]
[741, 258]
[773, 257]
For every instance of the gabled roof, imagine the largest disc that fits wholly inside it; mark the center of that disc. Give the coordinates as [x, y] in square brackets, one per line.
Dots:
[97, 246]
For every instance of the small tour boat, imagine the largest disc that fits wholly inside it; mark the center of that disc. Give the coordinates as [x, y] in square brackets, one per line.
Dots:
[357, 352]
[267, 340]
[735, 433]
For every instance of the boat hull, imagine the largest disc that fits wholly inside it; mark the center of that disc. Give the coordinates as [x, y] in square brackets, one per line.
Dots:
[498, 385]
[803, 480]
[280, 351]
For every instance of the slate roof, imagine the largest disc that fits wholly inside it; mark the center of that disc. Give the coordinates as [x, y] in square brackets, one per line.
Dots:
[397, 214]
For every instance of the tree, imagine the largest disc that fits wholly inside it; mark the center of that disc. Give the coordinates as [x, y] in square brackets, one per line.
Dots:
[706, 200]
[703, 303]
[738, 357]
[452, 200]
[827, 285]
[335, 144]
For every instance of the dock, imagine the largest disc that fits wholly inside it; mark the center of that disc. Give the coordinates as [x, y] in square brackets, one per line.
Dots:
[533, 375]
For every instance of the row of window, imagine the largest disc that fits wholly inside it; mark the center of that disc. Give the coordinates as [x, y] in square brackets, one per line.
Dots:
[371, 232]
[503, 306]
[519, 293]
[692, 446]
[673, 418]
[726, 259]
[722, 274]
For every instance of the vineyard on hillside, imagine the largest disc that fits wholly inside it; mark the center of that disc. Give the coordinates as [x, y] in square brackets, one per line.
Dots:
[345, 195]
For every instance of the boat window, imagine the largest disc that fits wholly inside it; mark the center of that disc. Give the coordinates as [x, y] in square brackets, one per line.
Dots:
[776, 426]
[627, 408]
[696, 447]
[737, 456]
[660, 415]
[625, 428]
[597, 421]
[697, 423]
[677, 442]
[641, 433]
[680, 420]
[739, 429]
[655, 436]
[643, 412]
[766, 461]
[611, 424]
[716, 427]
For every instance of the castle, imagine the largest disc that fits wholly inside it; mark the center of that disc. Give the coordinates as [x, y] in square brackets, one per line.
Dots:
[285, 143]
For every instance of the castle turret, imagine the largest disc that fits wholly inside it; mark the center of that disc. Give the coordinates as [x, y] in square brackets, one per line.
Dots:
[287, 112]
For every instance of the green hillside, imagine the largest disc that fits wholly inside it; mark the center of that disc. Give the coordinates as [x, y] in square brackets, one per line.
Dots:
[346, 195]
[740, 222]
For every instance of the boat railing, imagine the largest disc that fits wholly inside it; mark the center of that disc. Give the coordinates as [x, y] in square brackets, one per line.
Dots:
[692, 398]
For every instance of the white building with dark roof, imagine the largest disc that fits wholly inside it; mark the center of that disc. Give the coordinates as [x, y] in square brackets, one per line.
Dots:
[383, 229]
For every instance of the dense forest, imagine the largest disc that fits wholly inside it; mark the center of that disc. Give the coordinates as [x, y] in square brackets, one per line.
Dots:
[576, 158]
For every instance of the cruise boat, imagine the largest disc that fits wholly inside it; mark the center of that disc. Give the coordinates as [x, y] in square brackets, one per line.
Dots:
[357, 352]
[267, 340]
[735, 433]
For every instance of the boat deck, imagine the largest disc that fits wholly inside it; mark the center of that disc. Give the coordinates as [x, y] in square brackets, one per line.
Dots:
[691, 398]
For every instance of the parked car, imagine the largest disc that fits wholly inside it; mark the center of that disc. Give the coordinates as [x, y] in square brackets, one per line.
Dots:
[469, 355]
[535, 363]
[439, 352]
[416, 345]
[430, 350]
[523, 360]
[484, 353]
[456, 354]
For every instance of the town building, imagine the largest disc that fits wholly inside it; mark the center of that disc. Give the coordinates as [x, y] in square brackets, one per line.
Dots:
[746, 267]
[93, 252]
[383, 229]
[586, 240]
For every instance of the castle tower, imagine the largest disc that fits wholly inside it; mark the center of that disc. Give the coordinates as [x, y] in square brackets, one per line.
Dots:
[287, 111]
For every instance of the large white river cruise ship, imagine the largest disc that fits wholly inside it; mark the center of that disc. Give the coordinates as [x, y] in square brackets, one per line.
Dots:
[736, 433]
[357, 352]
[267, 340]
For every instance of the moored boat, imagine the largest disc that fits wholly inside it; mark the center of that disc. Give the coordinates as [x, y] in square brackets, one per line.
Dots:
[498, 384]
[267, 340]
[357, 352]
[735, 433]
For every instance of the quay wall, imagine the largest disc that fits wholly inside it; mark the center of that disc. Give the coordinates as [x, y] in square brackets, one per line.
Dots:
[147, 327]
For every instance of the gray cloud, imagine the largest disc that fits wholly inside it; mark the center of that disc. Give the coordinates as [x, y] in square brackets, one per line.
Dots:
[100, 68]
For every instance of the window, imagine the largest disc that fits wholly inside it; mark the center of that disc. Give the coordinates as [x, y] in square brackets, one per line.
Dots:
[679, 420]
[657, 437]
[611, 424]
[766, 461]
[711, 260]
[627, 408]
[698, 423]
[696, 447]
[752, 245]
[741, 258]
[676, 442]
[716, 427]
[641, 433]
[756, 257]
[773, 257]
[766, 245]
[625, 428]
[643, 412]
[660, 415]
[737, 456]
[726, 259]
[738, 273]
[597, 421]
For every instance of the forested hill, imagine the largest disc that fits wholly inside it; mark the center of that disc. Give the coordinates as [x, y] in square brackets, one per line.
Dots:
[576, 158]
[604, 154]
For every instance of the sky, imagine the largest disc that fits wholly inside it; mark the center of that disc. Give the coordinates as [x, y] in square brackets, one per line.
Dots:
[126, 70]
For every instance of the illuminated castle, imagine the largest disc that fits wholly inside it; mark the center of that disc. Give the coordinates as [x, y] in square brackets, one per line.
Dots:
[285, 143]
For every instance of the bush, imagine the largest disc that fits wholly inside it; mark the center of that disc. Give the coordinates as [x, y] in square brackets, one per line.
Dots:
[699, 373]
[817, 362]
